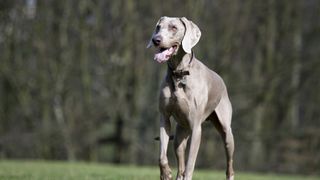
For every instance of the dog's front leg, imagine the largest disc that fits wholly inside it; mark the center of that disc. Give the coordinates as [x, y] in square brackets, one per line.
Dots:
[165, 128]
[193, 152]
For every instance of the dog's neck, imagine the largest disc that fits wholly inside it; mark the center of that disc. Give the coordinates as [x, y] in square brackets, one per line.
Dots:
[181, 62]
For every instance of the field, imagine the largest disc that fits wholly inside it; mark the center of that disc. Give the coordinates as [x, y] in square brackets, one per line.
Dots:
[43, 170]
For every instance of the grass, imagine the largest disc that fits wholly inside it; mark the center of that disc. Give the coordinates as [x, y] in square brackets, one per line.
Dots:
[43, 170]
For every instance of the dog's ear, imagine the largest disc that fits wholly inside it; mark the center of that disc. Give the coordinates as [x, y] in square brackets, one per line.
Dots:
[191, 36]
[154, 32]
[150, 41]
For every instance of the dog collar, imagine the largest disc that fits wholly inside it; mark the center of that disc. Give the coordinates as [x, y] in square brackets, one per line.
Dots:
[179, 74]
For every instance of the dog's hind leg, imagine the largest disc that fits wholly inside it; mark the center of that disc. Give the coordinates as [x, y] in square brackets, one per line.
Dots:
[223, 125]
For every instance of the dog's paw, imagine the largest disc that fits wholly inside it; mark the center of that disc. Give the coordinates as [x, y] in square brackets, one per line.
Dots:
[230, 178]
[165, 172]
[166, 176]
[179, 177]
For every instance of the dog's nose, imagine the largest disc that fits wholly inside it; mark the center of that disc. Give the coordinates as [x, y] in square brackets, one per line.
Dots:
[157, 40]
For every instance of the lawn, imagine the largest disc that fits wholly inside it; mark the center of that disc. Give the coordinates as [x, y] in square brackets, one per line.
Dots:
[43, 170]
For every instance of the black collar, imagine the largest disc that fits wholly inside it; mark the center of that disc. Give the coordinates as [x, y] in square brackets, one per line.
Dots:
[178, 74]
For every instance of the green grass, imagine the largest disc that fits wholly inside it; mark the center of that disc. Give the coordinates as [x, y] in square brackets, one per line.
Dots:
[43, 170]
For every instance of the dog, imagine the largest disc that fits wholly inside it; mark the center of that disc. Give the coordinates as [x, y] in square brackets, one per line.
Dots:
[191, 93]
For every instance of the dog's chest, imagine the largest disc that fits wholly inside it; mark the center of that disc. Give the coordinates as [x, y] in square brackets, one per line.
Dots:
[182, 102]
[180, 106]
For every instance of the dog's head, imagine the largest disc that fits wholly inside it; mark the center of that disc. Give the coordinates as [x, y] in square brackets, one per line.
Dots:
[170, 33]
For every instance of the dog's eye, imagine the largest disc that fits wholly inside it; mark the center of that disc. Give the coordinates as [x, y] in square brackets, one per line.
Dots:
[173, 27]
[158, 28]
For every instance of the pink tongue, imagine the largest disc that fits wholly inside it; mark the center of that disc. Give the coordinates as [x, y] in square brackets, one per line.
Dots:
[164, 55]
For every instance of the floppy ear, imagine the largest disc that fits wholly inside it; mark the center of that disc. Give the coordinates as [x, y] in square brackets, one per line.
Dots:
[154, 32]
[191, 36]
[150, 41]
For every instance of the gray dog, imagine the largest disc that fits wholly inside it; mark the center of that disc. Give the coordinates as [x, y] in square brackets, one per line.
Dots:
[191, 93]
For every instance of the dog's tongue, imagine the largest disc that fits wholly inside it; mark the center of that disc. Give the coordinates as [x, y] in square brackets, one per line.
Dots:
[164, 55]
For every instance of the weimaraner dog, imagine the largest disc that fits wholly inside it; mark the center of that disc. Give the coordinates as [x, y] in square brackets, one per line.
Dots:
[191, 93]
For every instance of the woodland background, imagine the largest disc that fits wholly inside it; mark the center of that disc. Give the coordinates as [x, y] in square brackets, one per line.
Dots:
[77, 82]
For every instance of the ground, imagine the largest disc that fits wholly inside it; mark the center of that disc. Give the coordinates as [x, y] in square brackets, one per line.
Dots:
[44, 170]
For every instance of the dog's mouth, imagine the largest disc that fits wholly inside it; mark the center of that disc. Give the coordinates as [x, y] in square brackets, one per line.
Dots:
[164, 54]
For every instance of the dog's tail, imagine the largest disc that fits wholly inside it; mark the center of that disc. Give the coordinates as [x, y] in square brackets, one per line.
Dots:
[171, 137]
